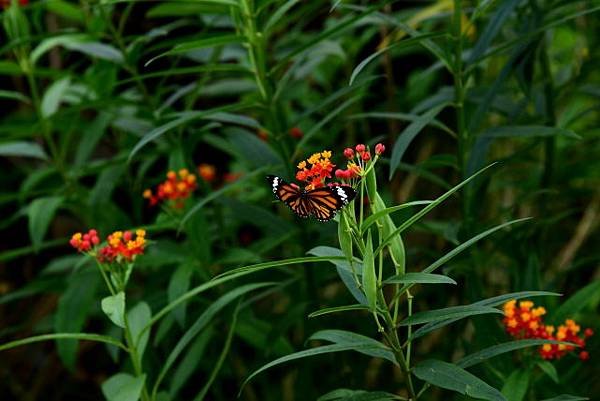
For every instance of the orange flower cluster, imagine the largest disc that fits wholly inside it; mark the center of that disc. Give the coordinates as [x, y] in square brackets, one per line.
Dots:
[315, 170]
[525, 321]
[85, 242]
[207, 172]
[123, 246]
[177, 187]
[120, 245]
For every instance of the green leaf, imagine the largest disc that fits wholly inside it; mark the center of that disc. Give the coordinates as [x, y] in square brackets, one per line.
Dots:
[202, 322]
[23, 149]
[14, 96]
[123, 387]
[230, 275]
[178, 285]
[567, 397]
[343, 337]
[492, 28]
[63, 336]
[221, 359]
[404, 43]
[421, 278]
[54, 96]
[452, 312]
[369, 278]
[516, 385]
[66, 10]
[72, 311]
[452, 377]
[183, 118]
[494, 350]
[114, 307]
[326, 349]
[402, 117]
[343, 394]
[186, 47]
[138, 318]
[336, 309]
[337, 28]
[494, 301]
[549, 369]
[189, 362]
[41, 212]
[581, 299]
[80, 43]
[276, 16]
[528, 131]
[409, 133]
[413, 219]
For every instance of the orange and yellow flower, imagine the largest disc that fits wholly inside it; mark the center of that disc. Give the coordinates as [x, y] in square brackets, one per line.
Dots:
[123, 246]
[315, 170]
[177, 187]
[525, 321]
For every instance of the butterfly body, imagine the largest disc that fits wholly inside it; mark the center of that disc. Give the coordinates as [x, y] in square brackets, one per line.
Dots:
[321, 203]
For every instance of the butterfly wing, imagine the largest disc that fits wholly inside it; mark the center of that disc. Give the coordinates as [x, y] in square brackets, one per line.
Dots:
[324, 203]
[288, 194]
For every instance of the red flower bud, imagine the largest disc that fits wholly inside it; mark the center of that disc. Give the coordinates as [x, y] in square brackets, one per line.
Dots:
[296, 133]
[588, 332]
[360, 148]
[348, 153]
[366, 156]
[379, 148]
[584, 355]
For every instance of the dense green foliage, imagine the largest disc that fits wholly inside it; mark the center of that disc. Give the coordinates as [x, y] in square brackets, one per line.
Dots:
[487, 108]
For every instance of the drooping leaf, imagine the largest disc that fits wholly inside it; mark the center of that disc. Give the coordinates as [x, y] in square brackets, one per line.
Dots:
[41, 212]
[123, 387]
[516, 385]
[421, 278]
[23, 149]
[452, 377]
[114, 307]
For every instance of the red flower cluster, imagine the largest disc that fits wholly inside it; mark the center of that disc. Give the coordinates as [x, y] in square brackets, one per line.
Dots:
[525, 321]
[123, 246]
[6, 3]
[85, 242]
[319, 170]
[177, 187]
[357, 161]
[120, 245]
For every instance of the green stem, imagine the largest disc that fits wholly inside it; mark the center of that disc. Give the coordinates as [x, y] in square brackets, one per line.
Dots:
[104, 276]
[409, 298]
[459, 103]
[135, 360]
[131, 69]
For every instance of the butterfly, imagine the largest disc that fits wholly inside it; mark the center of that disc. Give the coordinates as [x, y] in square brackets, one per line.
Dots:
[321, 203]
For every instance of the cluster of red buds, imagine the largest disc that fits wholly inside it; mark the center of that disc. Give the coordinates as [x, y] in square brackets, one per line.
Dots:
[177, 187]
[357, 160]
[7, 3]
[525, 321]
[85, 242]
[121, 246]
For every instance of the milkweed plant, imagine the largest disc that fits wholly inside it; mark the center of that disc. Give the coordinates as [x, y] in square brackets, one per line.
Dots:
[178, 120]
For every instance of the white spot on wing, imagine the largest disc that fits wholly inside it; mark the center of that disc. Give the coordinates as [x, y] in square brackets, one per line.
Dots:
[275, 184]
[342, 194]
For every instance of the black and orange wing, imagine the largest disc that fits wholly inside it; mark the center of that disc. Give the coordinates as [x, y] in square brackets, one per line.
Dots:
[324, 203]
[288, 194]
